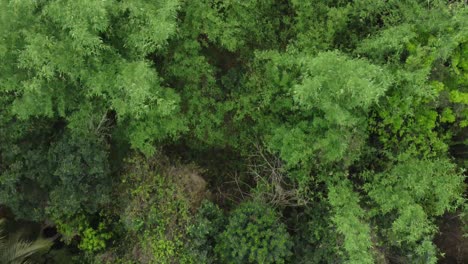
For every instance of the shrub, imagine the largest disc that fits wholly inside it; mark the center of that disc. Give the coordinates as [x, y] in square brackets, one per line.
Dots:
[254, 234]
[208, 224]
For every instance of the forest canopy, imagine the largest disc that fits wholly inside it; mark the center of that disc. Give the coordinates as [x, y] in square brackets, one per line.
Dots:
[228, 131]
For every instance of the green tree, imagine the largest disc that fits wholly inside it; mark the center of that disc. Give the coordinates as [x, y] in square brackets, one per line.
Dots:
[362, 106]
[63, 56]
[412, 193]
[333, 99]
[349, 219]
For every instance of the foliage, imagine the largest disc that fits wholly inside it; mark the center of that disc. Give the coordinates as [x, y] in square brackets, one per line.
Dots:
[418, 191]
[65, 65]
[315, 236]
[207, 225]
[120, 117]
[348, 218]
[254, 234]
[425, 61]
[14, 249]
[339, 92]
[72, 175]
[154, 212]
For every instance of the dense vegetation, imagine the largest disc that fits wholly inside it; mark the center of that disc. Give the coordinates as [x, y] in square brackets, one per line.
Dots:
[228, 131]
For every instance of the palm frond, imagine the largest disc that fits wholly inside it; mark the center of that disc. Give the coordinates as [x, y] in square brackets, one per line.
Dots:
[14, 249]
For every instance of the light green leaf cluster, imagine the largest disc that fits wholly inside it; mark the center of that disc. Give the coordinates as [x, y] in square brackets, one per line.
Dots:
[336, 93]
[71, 57]
[418, 191]
[349, 219]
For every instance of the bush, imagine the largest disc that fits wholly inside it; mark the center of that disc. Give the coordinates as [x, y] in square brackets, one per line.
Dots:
[208, 224]
[254, 234]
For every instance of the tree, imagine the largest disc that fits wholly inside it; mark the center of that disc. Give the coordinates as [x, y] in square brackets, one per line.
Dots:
[333, 98]
[412, 193]
[348, 217]
[60, 61]
[360, 104]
